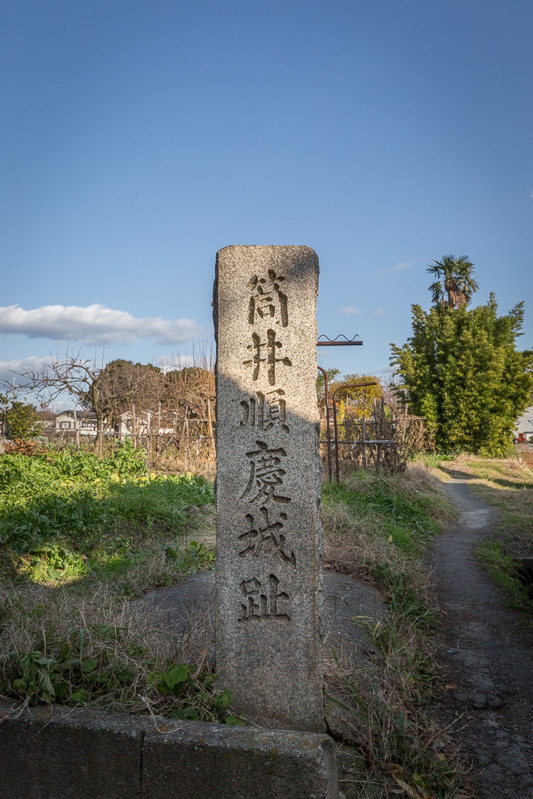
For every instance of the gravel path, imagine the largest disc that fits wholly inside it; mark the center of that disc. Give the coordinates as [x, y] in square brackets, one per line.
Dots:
[488, 656]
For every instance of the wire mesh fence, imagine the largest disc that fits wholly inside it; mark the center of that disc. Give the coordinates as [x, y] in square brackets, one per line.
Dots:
[383, 440]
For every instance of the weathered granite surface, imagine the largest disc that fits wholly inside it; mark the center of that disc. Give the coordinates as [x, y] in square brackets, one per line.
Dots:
[269, 544]
[186, 610]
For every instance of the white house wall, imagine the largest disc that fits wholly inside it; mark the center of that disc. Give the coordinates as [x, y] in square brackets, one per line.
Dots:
[524, 423]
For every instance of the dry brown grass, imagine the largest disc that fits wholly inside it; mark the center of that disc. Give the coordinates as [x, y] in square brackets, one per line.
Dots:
[126, 641]
[381, 696]
[348, 546]
[507, 485]
[355, 538]
[193, 456]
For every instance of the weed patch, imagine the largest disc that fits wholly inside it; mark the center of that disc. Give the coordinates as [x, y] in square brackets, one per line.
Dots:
[104, 652]
[502, 568]
[378, 528]
[70, 515]
[507, 485]
[79, 537]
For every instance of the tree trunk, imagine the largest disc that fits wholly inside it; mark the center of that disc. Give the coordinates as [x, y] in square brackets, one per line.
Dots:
[99, 433]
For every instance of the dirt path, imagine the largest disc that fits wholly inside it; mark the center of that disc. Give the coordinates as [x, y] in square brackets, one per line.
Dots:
[488, 656]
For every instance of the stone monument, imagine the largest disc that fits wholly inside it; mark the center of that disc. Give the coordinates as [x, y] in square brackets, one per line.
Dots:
[269, 542]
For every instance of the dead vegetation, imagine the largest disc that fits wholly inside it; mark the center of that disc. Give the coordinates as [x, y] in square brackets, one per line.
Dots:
[507, 485]
[378, 529]
[84, 643]
[106, 651]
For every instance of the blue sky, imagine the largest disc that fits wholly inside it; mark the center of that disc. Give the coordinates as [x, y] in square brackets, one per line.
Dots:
[138, 138]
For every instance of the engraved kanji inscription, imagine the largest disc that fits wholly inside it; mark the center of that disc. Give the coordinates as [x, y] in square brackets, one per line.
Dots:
[264, 352]
[263, 601]
[268, 300]
[265, 411]
[266, 538]
[266, 474]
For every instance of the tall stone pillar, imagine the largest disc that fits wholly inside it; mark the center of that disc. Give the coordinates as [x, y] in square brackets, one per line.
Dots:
[269, 543]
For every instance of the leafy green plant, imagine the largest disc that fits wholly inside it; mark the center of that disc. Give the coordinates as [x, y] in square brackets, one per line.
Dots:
[197, 695]
[503, 570]
[74, 501]
[460, 367]
[82, 667]
[63, 671]
[55, 562]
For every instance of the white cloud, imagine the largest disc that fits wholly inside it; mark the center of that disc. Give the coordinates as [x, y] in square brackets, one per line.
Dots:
[351, 310]
[169, 362]
[94, 324]
[398, 267]
[402, 265]
[379, 312]
[32, 363]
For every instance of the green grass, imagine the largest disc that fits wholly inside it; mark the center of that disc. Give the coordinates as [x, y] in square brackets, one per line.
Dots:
[79, 538]
[404, 512]
[70, 515]
[502, 568]
[392, 521]
[507, 485]
[379, 529]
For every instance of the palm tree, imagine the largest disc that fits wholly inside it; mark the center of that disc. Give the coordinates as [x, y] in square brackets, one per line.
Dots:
[454, 285]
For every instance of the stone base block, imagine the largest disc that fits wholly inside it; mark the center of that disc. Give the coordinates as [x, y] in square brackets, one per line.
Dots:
[83, 754]
[208, 760]
[49, 754]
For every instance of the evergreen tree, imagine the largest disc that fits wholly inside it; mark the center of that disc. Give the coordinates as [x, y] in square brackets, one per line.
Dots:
[21, 419]
[462, 372]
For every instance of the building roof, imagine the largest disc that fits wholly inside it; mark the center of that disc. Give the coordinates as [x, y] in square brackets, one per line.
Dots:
[78, 413]
[46, 416]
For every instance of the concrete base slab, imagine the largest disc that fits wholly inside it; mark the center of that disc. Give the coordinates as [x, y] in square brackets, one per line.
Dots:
[216, 761]
[87, 754]
[69, 754]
